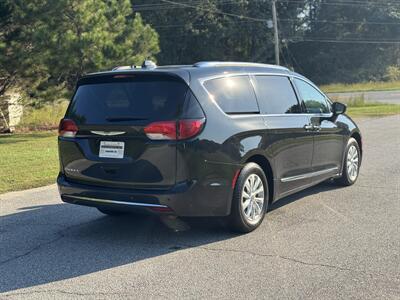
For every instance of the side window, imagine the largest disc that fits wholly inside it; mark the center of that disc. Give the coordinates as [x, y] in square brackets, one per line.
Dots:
[275, 95]
[234, 95]
[191, 108]
[313, 100]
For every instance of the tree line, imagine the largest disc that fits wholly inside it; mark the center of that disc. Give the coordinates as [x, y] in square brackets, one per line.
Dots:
[327, 40]
[45, 46]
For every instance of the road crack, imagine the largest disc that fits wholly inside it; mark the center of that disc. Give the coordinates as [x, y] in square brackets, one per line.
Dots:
[60, 234]
[290, 259]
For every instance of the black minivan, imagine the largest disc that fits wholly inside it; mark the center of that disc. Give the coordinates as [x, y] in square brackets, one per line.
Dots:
[211, 139]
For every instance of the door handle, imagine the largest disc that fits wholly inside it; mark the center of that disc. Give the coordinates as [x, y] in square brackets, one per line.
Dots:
[308, 127]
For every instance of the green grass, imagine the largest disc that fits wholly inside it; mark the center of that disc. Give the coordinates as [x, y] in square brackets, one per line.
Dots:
[374, 110]
[28, 160]
[44, 118]
[361, 87]
[358, 107]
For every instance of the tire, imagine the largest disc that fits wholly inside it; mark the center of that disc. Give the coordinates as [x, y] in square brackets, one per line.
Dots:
[110, 212]
[351, 164]
[245, 218]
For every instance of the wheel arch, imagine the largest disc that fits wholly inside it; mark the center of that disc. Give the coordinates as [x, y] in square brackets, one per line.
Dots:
[357, 136]
[265, 165]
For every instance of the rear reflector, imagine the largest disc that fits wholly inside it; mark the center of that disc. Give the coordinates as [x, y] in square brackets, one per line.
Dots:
[174, 130]
[161, 209]
[67, 128]
[235, 177]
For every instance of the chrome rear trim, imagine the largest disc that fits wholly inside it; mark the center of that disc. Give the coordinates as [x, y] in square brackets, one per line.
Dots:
[116, 202]
[107, 133]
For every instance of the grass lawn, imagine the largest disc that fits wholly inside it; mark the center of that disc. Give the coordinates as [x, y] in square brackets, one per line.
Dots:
[373, 110]
[361, 87]
[28, 160]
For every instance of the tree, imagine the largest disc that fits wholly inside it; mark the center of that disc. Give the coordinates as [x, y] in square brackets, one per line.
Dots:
[91, 35]
[353, 52]
[50, 44]
[17, 53]
[213, 30]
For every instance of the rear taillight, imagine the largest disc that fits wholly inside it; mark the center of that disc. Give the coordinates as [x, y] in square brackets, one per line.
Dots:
[174, 130]
[161, 130]
[67, 128]
[190, 128]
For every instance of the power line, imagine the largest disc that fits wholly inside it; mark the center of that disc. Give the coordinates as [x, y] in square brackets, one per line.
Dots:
[294, 39]
[166, 6]
[174, 5]
[284, 20]
[297, 39]
[350, 3]
[215, 11]
[356, 41]
[343, 22]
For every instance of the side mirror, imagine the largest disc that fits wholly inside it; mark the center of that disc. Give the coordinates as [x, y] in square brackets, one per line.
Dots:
[338, 108]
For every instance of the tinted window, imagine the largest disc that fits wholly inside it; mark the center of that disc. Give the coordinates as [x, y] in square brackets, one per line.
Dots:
[233, 94]
[98, 103]
[275, 95]
[313, 100]
[192, 108]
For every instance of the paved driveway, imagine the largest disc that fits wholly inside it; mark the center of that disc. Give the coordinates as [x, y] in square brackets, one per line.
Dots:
[324, 243]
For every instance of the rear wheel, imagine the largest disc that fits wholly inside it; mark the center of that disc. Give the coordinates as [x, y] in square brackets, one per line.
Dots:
[351, 164]
[111, 212]
[250, 199]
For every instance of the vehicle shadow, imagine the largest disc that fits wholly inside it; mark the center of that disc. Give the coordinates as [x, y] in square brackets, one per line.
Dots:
[320, 188]
[44, 244]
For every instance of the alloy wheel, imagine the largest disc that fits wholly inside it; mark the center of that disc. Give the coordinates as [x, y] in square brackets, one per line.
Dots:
[352, 163]
[252, 200]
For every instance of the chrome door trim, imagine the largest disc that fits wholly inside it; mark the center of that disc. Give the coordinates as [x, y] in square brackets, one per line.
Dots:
[108, 133]
[308, 175]
[116, 202]
[260, 73]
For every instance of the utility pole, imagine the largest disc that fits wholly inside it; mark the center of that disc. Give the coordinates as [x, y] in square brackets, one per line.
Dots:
[276, 37]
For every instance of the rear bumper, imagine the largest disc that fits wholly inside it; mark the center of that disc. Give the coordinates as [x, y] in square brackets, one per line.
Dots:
[184, 199]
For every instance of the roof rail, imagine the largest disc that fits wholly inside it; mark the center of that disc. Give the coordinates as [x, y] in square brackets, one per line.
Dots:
[203, 64]
[119, 68]
[147, 64]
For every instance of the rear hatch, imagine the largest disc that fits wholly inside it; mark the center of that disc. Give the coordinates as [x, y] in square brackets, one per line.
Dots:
[112, 114]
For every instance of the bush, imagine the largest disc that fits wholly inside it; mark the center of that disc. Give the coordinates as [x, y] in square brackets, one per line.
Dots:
[392, 73]
[46, 117]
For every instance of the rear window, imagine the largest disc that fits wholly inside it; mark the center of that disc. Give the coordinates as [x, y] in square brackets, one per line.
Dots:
[127, 99]
[276, 95]
[234, 95]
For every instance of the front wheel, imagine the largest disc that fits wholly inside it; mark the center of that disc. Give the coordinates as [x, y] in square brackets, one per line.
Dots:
[351, 164]
[250, 199]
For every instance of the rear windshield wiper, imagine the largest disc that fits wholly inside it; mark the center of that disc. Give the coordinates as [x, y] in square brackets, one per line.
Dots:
[121, 119]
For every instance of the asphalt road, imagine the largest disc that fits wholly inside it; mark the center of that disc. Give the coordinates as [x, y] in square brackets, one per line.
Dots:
[324, 243]
[392, 97]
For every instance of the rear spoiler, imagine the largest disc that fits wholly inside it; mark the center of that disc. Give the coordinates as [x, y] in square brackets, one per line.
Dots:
[179, 75]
